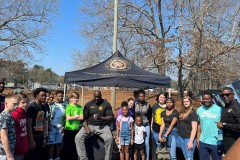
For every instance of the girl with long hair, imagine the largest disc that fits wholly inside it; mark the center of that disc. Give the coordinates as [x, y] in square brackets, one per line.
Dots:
[187, 128]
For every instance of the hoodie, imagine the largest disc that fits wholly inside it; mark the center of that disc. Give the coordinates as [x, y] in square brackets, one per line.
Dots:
[22, 142]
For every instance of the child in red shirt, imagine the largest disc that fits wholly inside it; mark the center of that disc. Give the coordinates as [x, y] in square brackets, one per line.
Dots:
[22, 142]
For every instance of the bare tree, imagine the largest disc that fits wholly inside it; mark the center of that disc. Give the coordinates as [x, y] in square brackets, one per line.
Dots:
[23, 25]
[86, 59]
[204, 36]
[215, 35]
[190, 40]
[143, 31]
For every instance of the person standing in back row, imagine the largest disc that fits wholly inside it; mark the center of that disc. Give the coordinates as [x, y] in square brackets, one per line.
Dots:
[97, 114]
[144, 109]
[57, 123]
[208, 142]
[230, 119]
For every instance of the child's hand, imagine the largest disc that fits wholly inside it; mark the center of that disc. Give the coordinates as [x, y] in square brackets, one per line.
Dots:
[76, 117]
[10, 157]
[132, 141]
[117, 139]
[32, 145]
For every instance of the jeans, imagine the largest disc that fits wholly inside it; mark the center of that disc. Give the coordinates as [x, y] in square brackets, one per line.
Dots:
[155, 136]
[147, 138]
[125, 133]
[172, 142]
[182, 142]
[207, 150]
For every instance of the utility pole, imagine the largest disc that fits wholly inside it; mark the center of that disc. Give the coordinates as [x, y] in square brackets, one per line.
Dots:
[115, 32]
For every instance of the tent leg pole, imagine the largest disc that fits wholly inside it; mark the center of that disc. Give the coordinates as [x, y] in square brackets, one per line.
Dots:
[113, 97]
[169, 92]
[64, 92]
[82, 96]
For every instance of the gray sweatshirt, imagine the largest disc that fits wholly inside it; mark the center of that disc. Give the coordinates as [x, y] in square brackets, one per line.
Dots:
[145, 110]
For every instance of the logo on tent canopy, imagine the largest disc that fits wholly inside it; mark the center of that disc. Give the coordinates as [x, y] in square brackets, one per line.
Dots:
[117, 64]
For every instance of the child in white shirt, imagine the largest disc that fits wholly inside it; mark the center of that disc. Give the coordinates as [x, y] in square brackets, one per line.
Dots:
[139, 135]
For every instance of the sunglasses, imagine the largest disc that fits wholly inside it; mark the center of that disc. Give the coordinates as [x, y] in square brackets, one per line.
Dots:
[227, 94]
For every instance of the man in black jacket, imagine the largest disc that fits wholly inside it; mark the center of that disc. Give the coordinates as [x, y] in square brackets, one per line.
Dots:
[230, 119]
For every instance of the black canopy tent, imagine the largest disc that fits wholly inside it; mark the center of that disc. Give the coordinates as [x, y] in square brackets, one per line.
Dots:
[117, 71]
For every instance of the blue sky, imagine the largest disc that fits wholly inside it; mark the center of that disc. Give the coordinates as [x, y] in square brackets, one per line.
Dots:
[64, 39]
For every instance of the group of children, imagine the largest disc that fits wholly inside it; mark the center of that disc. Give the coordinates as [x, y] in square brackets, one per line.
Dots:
[63, 124]
[128, 133]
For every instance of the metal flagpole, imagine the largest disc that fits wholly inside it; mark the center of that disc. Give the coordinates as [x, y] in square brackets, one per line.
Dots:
[115, 32]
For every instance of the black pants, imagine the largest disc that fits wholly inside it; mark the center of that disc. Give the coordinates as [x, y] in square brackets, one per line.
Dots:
[39, 152]
[227, 143]
[69, 147]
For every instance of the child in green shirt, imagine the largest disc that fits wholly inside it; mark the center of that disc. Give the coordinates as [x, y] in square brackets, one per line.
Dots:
[74, 116]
